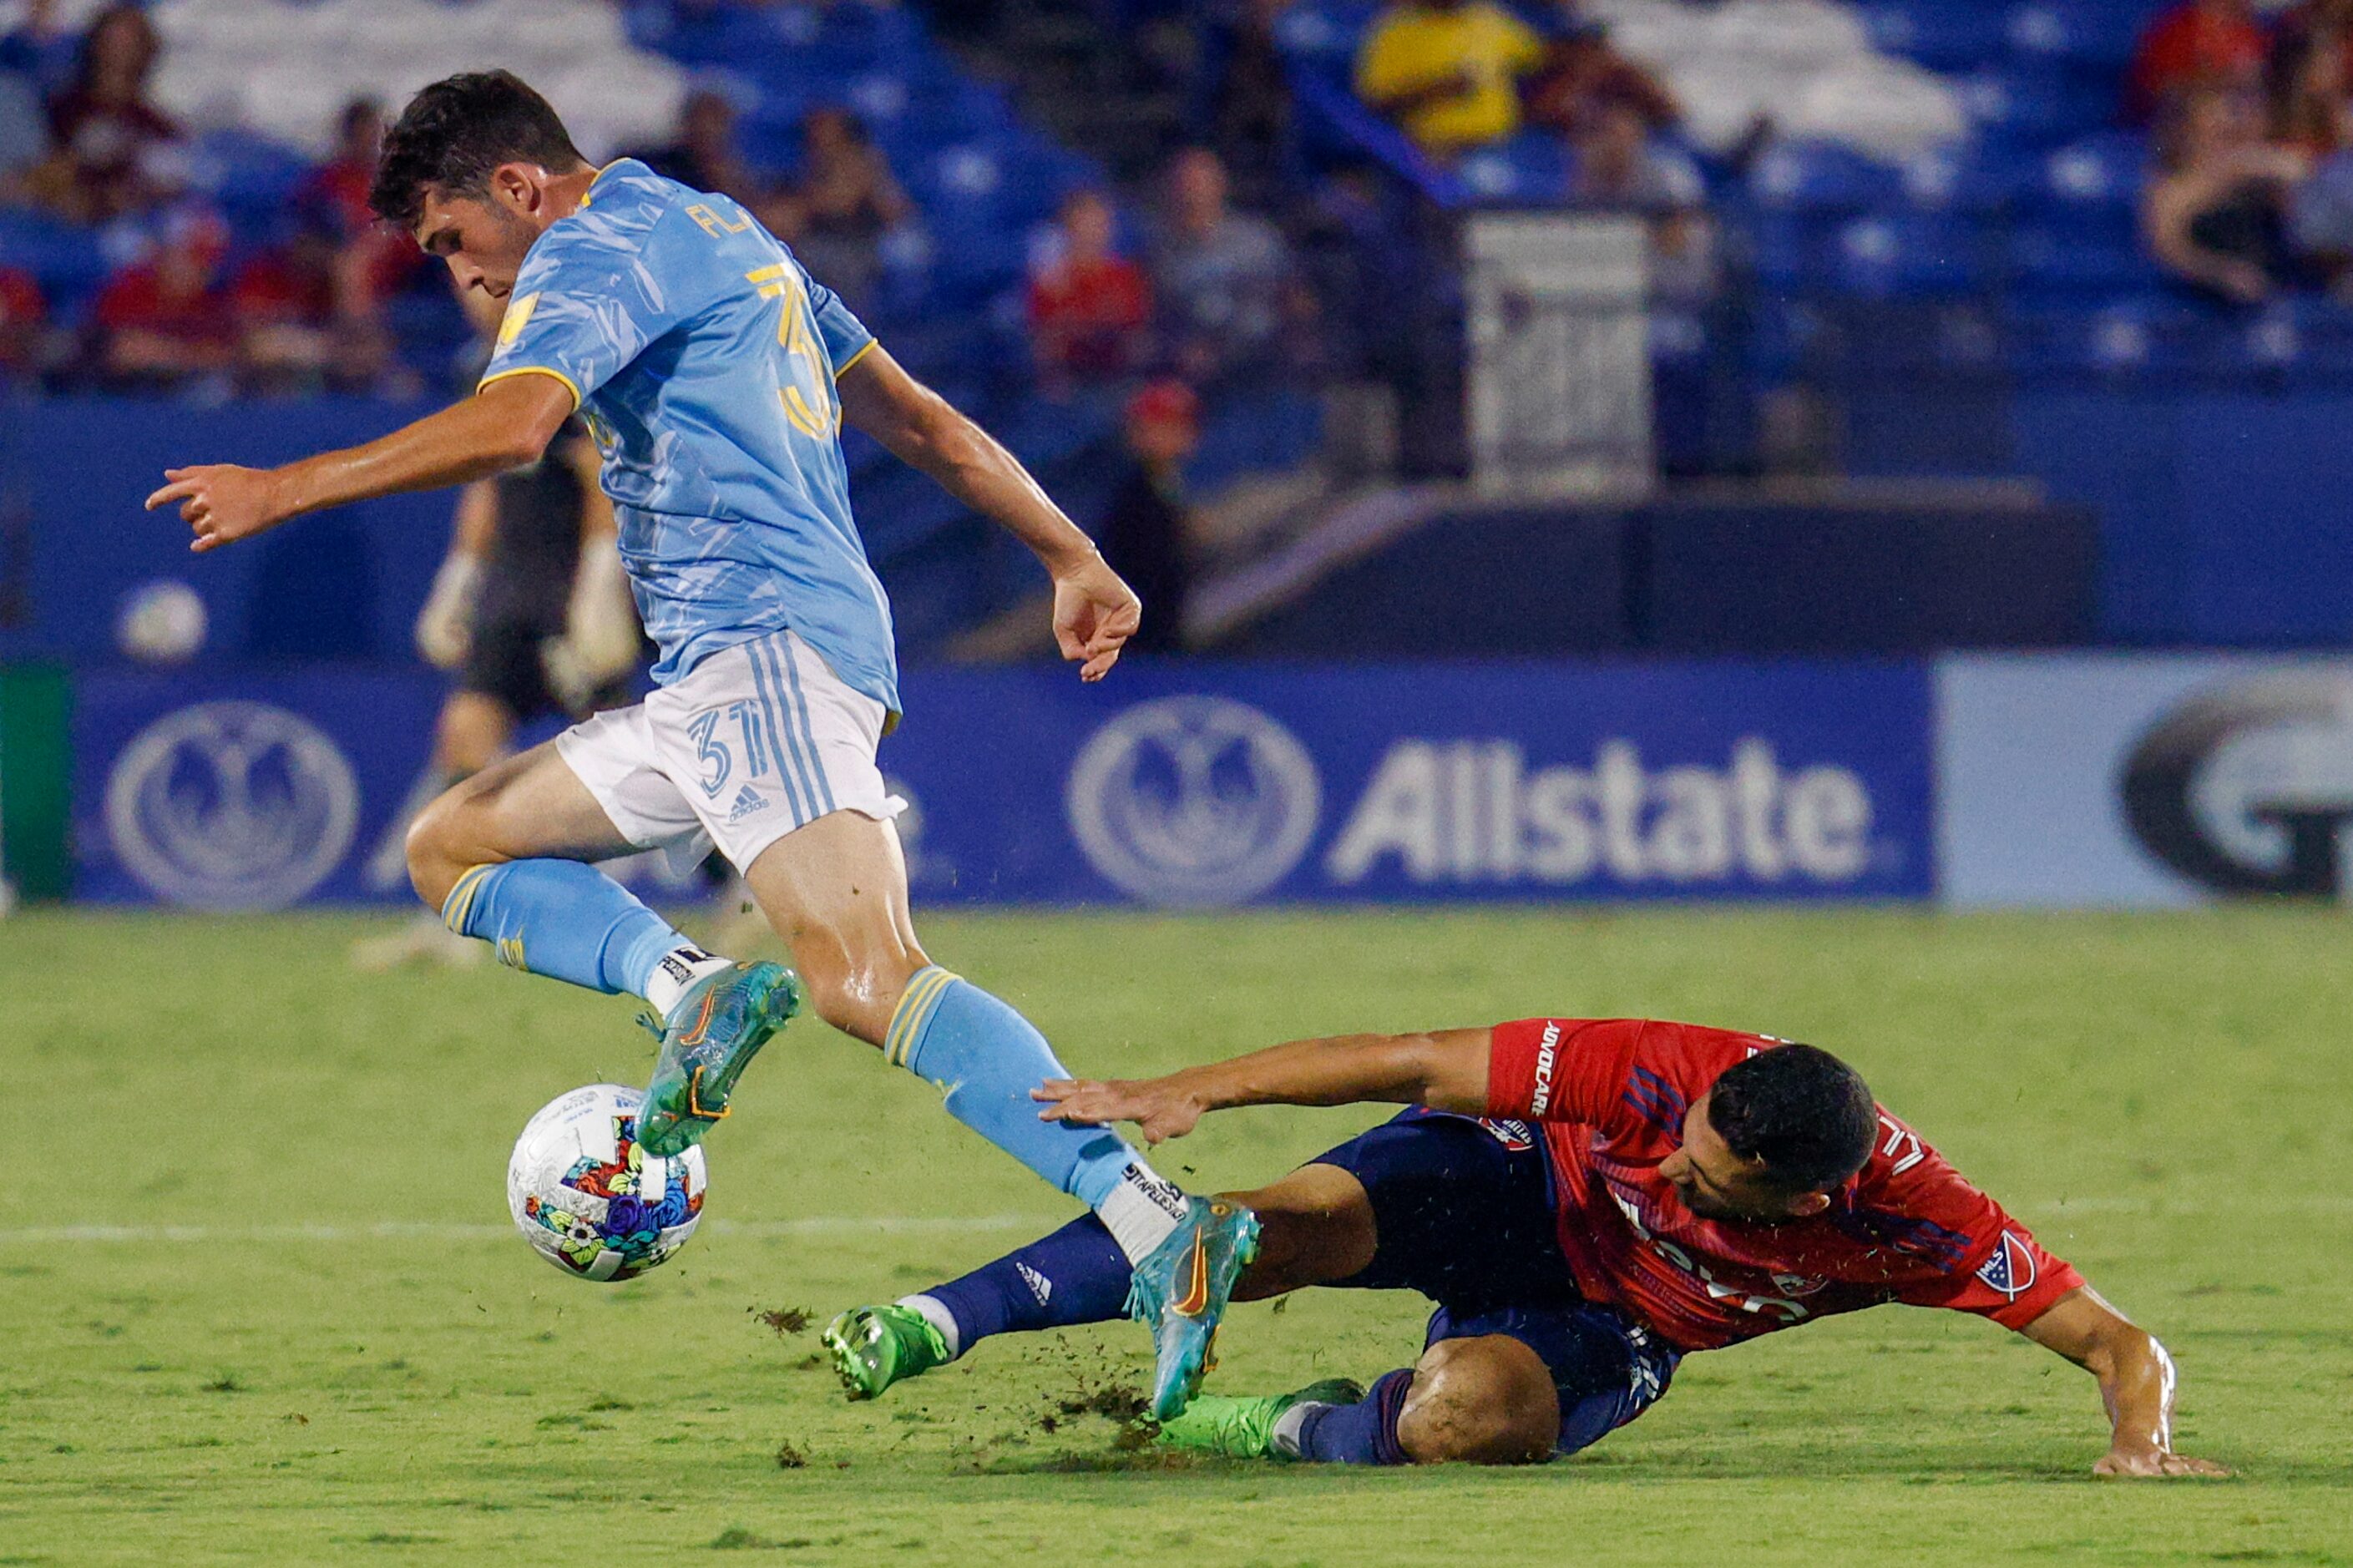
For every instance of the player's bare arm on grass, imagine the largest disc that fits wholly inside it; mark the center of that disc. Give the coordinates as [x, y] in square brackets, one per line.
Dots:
[1445, 1069]
[1095, 612]
[2135, 1384]
[506, 424]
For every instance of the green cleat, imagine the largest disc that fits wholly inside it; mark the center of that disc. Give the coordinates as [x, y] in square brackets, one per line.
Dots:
[717, 1027]
[1180, 1291]
[874, 1347]
[1244, 1429]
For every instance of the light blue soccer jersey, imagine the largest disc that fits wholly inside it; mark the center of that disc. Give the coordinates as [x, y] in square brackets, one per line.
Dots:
[703, 356]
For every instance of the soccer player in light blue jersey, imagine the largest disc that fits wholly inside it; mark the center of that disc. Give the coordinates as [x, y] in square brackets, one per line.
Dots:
[715, 374]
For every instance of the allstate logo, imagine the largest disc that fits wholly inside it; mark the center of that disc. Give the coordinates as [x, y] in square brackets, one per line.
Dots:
[231, 806]
[1193, 800]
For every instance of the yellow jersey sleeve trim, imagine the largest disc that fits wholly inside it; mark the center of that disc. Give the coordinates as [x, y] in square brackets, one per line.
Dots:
[871, 345]
[570, 385]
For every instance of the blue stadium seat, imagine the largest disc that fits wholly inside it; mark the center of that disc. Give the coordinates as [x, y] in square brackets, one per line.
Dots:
[2095, 35]
[1944, 34]
[1530, 167]
[2135, 335]
[2035, 106]
[1323, 38]
[1910, 256]
[1979, 178]
[2080, 258]
[2103, 171]
[64, 259]
[1821, 177]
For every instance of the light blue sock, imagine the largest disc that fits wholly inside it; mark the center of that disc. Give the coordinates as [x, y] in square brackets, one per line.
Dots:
[565, 921]
[985, 1058]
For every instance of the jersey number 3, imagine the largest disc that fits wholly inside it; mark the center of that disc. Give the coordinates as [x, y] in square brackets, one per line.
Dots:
[808, 404]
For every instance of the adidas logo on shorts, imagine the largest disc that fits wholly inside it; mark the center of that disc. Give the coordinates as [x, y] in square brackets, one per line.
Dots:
[747, 801]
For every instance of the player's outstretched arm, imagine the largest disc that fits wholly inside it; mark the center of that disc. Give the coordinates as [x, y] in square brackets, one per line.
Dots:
[1095, 612]
[2135, 1383]
[1445, 1069]
[506, 424]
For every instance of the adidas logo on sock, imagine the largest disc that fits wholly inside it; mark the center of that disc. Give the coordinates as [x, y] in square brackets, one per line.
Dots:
[1040, 1286]
[747, 801]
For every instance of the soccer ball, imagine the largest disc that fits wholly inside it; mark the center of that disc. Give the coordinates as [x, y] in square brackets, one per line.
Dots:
[588, 1199]
[161, 622]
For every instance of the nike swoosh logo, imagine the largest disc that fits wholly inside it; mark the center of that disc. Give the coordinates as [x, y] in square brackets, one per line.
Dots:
[701, 1029]
[1196, 1299]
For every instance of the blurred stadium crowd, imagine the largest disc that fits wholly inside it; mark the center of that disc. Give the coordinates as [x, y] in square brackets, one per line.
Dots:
[2073, 183]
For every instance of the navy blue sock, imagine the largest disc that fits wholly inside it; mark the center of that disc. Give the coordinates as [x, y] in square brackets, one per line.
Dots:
[1078, 1275]
[1364, 1434]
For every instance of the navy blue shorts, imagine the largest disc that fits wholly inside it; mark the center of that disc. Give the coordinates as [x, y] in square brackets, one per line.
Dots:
[1463, 1212]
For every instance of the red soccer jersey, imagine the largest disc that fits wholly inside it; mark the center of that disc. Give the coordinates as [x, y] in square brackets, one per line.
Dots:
[1609, 1095]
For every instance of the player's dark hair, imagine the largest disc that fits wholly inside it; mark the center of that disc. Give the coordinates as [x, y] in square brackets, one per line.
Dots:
[456, 131]
[1802, 1111]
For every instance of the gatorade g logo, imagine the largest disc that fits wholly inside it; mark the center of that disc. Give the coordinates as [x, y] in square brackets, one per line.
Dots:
[2248, 788]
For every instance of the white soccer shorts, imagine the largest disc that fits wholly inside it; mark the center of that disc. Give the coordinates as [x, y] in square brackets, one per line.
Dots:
[756, 741]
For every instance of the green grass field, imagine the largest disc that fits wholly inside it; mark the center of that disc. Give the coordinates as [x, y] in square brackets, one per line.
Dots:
[259, 1296]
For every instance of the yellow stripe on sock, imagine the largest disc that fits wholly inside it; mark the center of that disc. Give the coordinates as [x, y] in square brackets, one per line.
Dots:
[914, 1011]
[460, 902]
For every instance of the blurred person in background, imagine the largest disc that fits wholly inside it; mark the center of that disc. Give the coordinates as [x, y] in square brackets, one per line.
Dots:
[2307, 80]
[1582, 70]
[1222, 279]
[2215, 214]
[702, 154]
[2196, 44]
[112, 145]
[1241, 93]
[1145, 533]
[843, 204]
[167, 321]
[531, 613]
[1090, 308]
[306, 317]
[1616, 165]
[1448, 72]
[372, 262]
[24, 135]
[2321, 213]
[24, 325]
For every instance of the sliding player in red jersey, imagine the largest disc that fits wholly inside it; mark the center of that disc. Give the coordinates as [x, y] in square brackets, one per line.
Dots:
[1587, 1202]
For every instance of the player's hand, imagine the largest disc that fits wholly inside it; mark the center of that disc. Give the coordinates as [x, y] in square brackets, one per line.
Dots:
[222, 503]
[1095, 614]
[1161, 1107]
[2153, 1464]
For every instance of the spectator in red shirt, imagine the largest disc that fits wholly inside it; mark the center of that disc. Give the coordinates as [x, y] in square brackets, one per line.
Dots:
[373, 259]
[1089, 307]
[2199, 43]
[22, 316]
[168, 320]
[109, 141]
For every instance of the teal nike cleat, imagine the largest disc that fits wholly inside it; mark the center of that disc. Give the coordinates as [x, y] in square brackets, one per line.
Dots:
[874, 1347]
[1180, 1293]
[717, 1027]
[1244, 1429]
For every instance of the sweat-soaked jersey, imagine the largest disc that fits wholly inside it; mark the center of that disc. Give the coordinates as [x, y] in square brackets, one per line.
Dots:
[1609, 1095]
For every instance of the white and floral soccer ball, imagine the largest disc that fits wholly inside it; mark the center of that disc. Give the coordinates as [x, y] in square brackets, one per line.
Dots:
[588, 1199]
[162, 622]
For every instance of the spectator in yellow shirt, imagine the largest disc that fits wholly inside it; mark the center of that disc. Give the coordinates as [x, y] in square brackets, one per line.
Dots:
[1448, 72]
